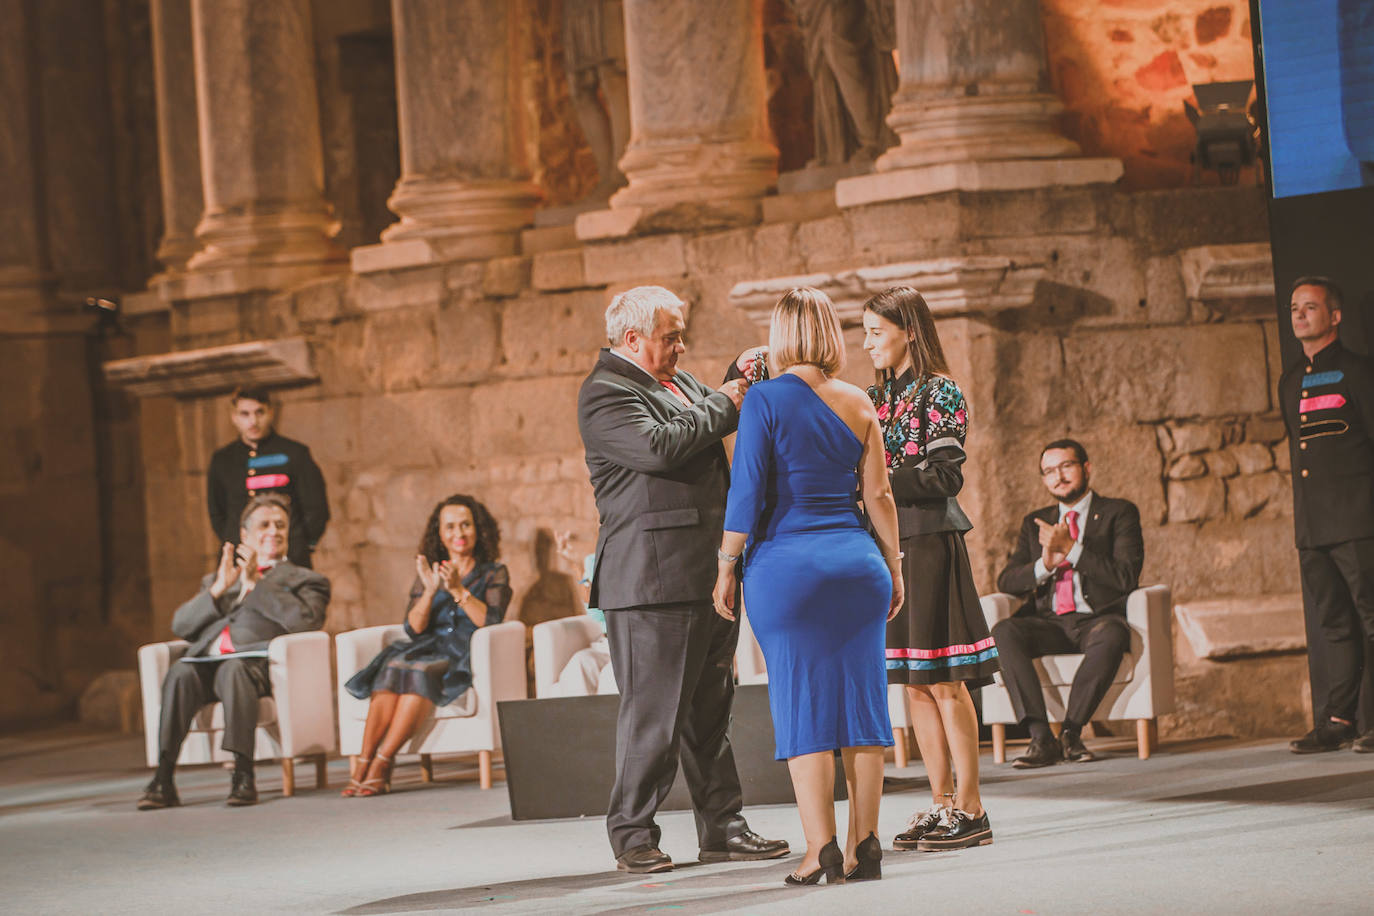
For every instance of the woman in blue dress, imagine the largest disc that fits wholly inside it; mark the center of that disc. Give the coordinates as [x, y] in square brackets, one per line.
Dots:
[459, 587]
[818, 589]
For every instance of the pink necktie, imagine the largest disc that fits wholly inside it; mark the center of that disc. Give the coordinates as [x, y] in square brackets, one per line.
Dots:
[226, 645]
[677, 393]
[1063, 587]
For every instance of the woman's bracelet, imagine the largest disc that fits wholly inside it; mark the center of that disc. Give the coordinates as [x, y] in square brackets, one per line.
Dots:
[899, 555]
[726, 557]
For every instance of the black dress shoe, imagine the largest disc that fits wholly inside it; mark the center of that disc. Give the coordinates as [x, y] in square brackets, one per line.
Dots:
[1327, 736]
[159, 794]
[831, 868]
[869, 866]
[921, 823]
[644, 860]
[242, 791]
[960, 831]
[1041, 753]
[746, 846]
[1074, 749]
[1364, 744]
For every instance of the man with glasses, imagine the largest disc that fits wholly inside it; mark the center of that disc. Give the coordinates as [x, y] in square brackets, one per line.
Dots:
[1074, 564]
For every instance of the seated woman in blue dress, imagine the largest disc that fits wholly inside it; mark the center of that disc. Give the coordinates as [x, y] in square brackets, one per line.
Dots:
[460, 586]
[818, 588]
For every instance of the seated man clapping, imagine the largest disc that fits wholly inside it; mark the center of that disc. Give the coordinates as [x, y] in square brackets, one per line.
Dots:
[255, 596]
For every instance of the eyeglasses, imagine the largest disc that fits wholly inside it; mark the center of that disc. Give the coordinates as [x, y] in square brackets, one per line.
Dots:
[1061, 468]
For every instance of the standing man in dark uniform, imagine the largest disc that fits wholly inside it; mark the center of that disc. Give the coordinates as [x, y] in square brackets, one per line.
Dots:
[1327, 400]
[652, 435]
[260, 461]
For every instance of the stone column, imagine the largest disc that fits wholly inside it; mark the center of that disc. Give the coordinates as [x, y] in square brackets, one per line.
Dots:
[262, 163]
[700, 149]
[24, 271]
[465, 189]
[178, 142]
[973, 99]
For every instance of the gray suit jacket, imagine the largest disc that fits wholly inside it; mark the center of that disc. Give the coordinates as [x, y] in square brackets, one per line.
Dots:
[287, 599]
[661, 477]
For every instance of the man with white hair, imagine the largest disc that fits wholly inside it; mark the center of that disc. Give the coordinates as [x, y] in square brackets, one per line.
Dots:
[652, 436]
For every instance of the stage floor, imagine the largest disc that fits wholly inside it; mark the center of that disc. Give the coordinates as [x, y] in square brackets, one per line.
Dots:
[1214, 826]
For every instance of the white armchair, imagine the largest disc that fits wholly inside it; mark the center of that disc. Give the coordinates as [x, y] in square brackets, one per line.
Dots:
[749, 666]
[1143, 688]
[297, 720]
[555, 643]
[467, 725]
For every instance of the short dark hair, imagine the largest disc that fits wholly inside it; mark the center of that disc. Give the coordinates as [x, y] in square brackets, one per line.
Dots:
[1335, 297]
[275, 500]
[1073, 445]
[251, 393]
[488, 547]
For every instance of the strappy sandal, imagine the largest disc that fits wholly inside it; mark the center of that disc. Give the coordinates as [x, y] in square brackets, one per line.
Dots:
[355, 785]
[378, 785]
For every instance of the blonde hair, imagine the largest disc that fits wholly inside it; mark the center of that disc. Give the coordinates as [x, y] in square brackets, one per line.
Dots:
[805, 330]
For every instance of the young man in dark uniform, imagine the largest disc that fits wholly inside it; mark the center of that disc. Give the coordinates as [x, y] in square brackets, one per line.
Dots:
[1327, 399]
[260, 461]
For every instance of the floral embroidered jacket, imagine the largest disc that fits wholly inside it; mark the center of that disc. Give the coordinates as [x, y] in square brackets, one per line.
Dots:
[925, 423]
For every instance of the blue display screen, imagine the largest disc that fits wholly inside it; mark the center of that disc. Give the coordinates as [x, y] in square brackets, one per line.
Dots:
[1319, 91]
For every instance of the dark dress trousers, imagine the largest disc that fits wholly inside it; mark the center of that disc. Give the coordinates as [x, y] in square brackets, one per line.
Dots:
[1108, 570]
[276, 465]
[287, 599]
[1328, 408]
[660, 476]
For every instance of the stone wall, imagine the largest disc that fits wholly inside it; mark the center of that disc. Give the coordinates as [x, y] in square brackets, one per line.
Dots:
[464, 377]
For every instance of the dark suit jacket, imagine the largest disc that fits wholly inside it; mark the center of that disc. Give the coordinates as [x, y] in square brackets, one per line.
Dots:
[660, 476]
[287, 599]
[1109, 567]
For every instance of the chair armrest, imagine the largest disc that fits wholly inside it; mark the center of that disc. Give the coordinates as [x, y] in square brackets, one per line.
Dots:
[997, 607]
[154, 661]
[750, 666]
[498, 668]
[298, 667]
[555, 643]
[355, 648]
[1149, 611]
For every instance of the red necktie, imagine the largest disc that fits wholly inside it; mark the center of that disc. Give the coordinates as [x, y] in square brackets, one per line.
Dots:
[226, 645]
[1063, 588]
[677, 393]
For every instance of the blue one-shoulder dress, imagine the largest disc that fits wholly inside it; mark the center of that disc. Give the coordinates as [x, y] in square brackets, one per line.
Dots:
[816, 588]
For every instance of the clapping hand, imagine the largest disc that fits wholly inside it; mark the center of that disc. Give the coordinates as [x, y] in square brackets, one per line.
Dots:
[430, 576]
[248, 565]
[227, 573]
[1055, 543]
[450, 578]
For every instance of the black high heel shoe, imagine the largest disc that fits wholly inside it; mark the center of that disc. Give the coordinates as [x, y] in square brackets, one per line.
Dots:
[832, 867]
[869, 852]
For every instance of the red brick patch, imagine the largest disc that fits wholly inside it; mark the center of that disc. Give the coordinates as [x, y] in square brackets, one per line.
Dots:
[1163, 73]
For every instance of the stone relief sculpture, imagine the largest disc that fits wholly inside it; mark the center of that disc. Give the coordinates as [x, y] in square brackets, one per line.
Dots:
[849, 47]
[594, 54]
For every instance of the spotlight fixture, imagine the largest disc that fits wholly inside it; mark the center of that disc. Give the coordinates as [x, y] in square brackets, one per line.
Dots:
[1227, 137]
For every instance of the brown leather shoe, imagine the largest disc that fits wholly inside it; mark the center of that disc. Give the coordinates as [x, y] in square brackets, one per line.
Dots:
[157, 795]
[1074, 748]
[746, 846]
[242, 791]
[1042, 752]
[644, 860]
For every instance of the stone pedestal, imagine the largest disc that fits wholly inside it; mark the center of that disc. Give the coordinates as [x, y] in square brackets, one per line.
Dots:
[700, 152]
[262, 164]
[974, 91]
[178, 141]
[465, 189]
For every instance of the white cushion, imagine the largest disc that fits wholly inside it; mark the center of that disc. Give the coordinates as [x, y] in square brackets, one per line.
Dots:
[211, 717]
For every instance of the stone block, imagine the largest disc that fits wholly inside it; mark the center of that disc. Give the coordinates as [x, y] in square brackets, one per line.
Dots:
[410, 288]
[1196, 500]
[469, 340]
[908, 228]
[1267, 494]
[1241, 625]
[506, 277]
[729, 253]
[528, 417]
[775, 250]
[1267, 429]
[1252, 457]
[1283, 458]
[1164, 438]
[431, 428]
[548, 238]
[552, 334]
[1165, 299]
[1125, 463]
[634, 260]
[559, 270]
[1188, 467]
[1221, 464]
[358, 506]
[825, 243]
[800, 206]
[329, 427]
[1225, 557]
[112, 702]
[983, 175]
[1150, 374]
[321, 300]
[400, 348]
